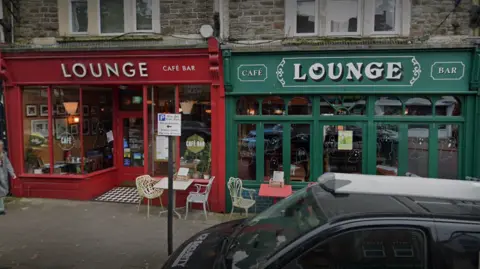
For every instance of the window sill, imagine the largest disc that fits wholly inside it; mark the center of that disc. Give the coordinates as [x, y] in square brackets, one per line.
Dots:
[109, 37]
[345, 40]
[58, 176]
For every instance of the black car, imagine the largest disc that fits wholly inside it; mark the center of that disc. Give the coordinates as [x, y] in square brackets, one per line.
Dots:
[318, 228]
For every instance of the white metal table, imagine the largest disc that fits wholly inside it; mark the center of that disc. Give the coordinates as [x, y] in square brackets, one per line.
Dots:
[178, 185]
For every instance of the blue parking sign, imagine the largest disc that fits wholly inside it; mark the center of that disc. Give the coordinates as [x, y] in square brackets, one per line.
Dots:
[161, 117]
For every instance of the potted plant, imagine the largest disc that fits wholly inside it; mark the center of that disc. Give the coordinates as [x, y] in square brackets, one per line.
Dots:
[205, 161]
[35, 142]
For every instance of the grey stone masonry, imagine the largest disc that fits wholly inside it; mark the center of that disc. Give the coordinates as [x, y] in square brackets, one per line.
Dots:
[37, 18]
[265, 19]
[257, 19]
[185, 16]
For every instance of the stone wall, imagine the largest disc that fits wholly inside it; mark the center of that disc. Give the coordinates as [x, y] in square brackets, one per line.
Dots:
[428, 14]
[264, 19]
[185, 16]
[257, 19]
[37, 18]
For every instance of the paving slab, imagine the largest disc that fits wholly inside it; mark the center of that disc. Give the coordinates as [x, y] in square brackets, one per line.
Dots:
[61, 234]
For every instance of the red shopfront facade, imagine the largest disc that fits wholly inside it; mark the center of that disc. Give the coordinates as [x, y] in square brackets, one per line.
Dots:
[80, 123]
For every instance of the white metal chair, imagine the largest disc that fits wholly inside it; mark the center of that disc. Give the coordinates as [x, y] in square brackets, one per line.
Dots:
[476, 179]
[200, 196]
[408, 174]
[146, 190]
[236, 189]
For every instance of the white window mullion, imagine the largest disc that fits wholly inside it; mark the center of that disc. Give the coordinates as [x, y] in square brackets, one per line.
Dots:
[129, 19]
[156, 16]
[369, 17]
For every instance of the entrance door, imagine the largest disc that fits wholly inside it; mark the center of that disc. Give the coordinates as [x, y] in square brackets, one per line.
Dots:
[131, 132]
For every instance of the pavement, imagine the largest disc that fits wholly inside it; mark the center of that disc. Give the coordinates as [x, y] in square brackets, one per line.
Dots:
[61, 234]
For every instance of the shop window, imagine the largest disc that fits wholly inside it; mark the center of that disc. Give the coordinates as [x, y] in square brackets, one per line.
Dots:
[342, 105]
[448, 106]
[342, 148]
[97, 128]
[387, 149]
[273, 105]
[299, 106]
[388, 106]
[36, 130]
[418, 140]
[195, 142]
[66, 123]
[300, 152]
[448, 151]
[273, 149]
[418, 106]
[247, 106]
[247, 141]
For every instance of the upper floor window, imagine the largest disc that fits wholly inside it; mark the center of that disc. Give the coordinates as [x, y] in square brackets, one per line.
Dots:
[114, 16]
[346, 17]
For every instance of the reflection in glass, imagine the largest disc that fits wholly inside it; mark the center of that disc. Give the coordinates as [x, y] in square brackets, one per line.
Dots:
[343, 105]
[79, 16]
[385, 15]
[273, 139]
[246, 144]
[387, 149]
[418, 106]
[342, 15]
[112, 16]
[388, 106]
[306, 16]
[418, 149]
[300, 106]
[300, 152]
[144, 15]
[35, 130]
[133, 142]
[448, 106]
[273, 105]
[448, 151]
[247, 105]
[342, 148]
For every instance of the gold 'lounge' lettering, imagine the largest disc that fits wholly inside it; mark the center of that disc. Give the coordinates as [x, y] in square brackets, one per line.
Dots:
[373, 71]
[97, 70]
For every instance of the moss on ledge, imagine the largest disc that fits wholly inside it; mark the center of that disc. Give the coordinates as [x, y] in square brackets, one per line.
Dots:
[66, 39]
[346, 41]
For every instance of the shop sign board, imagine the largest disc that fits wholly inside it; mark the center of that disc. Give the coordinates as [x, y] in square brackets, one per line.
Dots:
[195, 143]
[252, 72]
[352, 71]
[169, 124]
[448, 71]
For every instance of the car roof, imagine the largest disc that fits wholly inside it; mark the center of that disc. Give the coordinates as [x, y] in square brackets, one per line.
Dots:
[343, 197]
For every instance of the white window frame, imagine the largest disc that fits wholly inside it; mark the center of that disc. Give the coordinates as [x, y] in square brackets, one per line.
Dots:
[317, 19]
[328, 25]
[366, 20]
[70, 19]
[130, 18]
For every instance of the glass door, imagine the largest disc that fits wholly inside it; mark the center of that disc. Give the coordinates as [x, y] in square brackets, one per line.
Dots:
[343, 147]
[132, 148]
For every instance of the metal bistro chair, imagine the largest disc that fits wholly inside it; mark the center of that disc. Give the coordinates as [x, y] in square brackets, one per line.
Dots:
[146, 190]
[408, 174]
[200, 197]
[236, 189]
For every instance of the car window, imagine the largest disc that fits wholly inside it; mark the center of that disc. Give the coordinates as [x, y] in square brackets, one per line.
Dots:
[461, 250]
[367, 248]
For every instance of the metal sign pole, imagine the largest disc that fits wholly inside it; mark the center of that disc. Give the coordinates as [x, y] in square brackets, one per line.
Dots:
[170, 195]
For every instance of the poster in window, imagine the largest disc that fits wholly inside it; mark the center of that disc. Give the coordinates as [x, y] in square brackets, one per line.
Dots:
[345, 140]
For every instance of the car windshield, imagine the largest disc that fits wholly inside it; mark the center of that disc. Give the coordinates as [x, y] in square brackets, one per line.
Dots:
[274, 228]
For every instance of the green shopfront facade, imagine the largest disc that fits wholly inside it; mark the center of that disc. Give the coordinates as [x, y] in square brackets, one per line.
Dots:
[386, 112]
